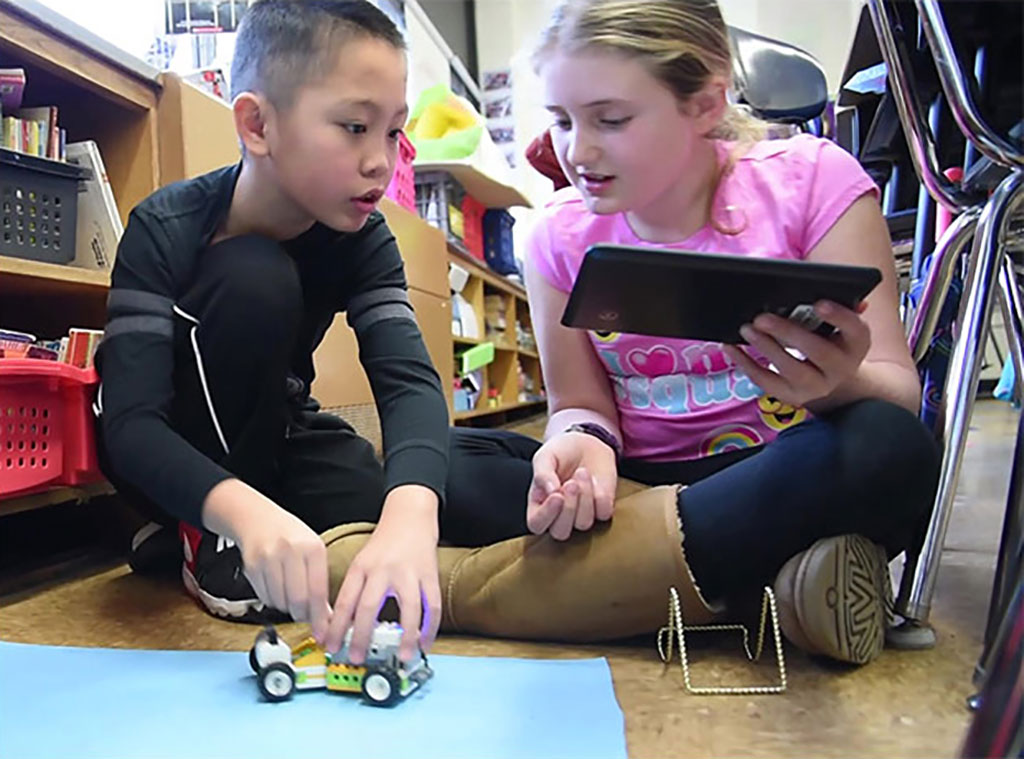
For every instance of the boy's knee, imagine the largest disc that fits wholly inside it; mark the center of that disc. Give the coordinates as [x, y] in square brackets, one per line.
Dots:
[349, 489]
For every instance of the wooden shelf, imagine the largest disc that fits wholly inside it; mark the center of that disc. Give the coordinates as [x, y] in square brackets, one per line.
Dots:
[480, 270]
[499, 345]
[56, 50]
[486, 189]
[47, 299]
[68, 276]
[459, 415]
[54, 496]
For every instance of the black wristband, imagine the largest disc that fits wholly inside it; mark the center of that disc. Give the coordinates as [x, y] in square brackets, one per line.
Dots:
[596, 430]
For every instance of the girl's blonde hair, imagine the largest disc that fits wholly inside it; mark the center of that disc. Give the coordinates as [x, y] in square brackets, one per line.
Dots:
[682, 43]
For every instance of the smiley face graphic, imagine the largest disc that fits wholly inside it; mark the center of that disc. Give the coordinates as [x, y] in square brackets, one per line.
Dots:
[779, 415]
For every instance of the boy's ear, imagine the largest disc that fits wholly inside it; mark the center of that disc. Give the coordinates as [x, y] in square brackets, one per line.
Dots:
[708, 106]
[251, 112]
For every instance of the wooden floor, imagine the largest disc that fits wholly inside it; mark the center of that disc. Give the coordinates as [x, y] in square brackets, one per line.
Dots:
[903, 705]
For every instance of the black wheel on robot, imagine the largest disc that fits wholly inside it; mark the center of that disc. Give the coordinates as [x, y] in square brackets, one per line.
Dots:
[277, 682]
[381, 687]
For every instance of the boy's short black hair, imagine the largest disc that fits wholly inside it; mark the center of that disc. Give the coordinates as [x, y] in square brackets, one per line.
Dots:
[285, 44]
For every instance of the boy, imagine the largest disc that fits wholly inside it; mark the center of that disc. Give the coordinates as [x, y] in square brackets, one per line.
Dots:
[224, 286]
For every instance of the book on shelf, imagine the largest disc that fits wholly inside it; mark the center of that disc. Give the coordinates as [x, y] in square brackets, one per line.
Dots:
[77, 348]
[43, 122]
[99, 226]
[34, 130]
[12, 88]
[32, 136]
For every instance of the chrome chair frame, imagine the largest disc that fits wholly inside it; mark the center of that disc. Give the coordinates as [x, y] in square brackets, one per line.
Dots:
[983, 224]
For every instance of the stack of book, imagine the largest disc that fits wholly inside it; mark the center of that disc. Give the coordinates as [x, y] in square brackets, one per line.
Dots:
[33, 131]
[78, 348]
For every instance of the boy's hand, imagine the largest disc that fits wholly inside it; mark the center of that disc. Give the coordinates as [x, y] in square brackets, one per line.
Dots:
[401, 559]
[574, 478]
[828, 362]
[284, 560]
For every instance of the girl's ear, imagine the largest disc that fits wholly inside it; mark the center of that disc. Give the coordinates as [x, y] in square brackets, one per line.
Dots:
[708, 105]
[251, 112]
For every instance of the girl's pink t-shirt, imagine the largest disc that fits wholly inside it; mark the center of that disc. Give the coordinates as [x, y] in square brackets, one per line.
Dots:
[684, 399]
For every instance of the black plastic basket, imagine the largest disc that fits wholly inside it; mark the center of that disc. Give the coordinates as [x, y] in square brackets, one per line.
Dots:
[38, 207]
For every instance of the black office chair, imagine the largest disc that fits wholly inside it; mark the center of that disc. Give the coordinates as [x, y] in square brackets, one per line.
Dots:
[780, 83]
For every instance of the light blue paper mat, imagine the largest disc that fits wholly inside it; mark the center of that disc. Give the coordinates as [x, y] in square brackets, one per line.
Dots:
[97, 703]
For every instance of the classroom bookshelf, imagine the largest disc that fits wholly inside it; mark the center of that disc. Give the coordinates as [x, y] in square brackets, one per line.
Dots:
[99, 98]
[502, 374]
[511, 384]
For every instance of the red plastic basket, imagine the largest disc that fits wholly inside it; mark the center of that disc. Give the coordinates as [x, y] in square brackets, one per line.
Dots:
[473, 225]
[402, 189]
[47, 437]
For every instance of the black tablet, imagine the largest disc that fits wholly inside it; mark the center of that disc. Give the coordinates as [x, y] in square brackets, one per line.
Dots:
[704, 296]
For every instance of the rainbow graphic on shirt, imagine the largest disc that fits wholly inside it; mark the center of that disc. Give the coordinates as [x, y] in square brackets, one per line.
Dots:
[734, 437]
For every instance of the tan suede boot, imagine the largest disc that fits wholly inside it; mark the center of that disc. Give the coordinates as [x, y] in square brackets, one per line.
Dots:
[832, 598]
[609, 582]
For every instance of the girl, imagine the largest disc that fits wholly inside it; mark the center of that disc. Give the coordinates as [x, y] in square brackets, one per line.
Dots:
[808, 473]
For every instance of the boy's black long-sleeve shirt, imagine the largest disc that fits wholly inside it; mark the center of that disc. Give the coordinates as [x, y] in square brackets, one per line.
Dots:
[358, 273]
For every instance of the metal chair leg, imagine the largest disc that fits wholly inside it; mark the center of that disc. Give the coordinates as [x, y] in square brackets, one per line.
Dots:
[947, 255]
[1013, 318]
[1009, 564]
[997, 727]
[918, 586]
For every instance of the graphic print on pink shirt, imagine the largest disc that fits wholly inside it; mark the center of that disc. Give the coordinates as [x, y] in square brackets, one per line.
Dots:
[654, 378]
[684, 399]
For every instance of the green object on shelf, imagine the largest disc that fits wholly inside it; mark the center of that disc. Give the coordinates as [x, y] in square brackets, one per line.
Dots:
[475, 357]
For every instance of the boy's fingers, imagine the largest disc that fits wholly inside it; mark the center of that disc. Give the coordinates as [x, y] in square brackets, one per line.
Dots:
[367, 610]
[274, 579]
[344, 609]
[259, 587]
[319, 605]
[296, 588]
[432, 612]
[410, 608]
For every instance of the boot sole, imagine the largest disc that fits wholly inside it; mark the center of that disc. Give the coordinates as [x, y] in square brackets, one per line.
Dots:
[838, 600]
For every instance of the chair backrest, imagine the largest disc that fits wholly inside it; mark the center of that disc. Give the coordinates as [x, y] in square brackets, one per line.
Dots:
[779, 82]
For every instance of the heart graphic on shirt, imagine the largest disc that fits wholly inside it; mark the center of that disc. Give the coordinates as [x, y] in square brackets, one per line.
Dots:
[656, 362]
